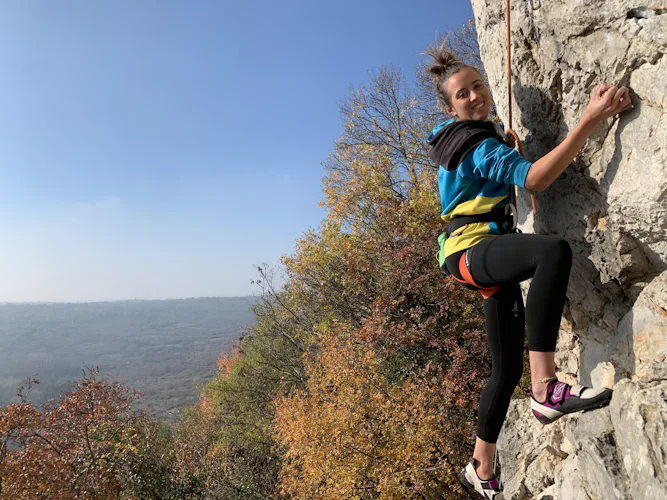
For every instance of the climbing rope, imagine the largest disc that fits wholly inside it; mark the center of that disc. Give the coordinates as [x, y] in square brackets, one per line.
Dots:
[517, 142]
[510, 132]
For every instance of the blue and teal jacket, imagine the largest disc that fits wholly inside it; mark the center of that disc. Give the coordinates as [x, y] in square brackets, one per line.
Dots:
[478, 184]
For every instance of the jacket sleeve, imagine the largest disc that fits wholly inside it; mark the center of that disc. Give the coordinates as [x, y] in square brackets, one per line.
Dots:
[497, 162]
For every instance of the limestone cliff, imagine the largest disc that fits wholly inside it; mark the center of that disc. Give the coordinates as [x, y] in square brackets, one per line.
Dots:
[611, 205]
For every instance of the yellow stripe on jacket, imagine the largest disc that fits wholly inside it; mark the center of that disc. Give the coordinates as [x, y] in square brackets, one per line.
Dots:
[471, 234]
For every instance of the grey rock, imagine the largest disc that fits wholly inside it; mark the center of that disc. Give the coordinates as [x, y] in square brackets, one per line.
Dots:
[639, 415]
[529, 451]
[641, 338]
[598, 466]
[611, 206]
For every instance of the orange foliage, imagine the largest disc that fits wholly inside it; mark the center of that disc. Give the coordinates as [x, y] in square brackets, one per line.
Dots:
[226, 362]
[74, 448]
[353, 434]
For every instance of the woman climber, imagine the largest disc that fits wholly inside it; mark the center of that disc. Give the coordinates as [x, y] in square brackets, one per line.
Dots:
[482, 249]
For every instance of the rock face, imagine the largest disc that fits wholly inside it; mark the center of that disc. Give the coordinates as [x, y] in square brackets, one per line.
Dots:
[619, 452]
[611, 205]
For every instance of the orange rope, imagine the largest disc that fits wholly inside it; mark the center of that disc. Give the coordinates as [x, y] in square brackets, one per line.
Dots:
[509, 60]
[510, 132]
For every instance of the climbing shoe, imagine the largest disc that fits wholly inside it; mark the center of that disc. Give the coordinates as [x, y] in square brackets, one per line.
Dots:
[563, 398]
[490, 490]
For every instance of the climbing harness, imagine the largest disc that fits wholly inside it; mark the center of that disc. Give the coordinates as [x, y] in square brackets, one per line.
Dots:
[497, 215]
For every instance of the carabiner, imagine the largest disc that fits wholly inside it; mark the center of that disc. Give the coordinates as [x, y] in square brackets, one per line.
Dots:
[515, 219]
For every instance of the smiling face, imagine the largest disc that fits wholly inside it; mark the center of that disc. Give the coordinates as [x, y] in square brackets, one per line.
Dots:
[469, 97]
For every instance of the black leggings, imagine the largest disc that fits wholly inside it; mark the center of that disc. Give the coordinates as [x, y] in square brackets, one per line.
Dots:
[505, 261]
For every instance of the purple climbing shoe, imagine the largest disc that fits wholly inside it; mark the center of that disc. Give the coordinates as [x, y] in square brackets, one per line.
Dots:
[490, 490]
[563, 399]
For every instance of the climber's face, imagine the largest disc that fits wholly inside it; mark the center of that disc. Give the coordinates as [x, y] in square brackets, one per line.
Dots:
[470, 98]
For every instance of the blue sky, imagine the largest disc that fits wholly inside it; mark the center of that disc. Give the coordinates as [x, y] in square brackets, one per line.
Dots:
[161, 149]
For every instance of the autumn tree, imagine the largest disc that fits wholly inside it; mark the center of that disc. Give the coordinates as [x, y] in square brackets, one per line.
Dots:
[375, 256]
[354, 434]
[360, 376]
[89, 444]
[420, 336]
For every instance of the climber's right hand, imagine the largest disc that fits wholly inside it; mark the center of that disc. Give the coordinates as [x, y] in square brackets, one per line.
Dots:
[608, 101]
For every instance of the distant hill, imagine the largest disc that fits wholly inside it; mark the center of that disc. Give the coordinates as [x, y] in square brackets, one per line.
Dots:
[163, 348]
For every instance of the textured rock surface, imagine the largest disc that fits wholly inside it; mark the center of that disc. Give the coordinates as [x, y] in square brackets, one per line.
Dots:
[639, 416]
[611, 205]
[618, 452]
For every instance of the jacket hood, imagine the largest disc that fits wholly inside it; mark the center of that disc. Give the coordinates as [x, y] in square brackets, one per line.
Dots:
[452, 141]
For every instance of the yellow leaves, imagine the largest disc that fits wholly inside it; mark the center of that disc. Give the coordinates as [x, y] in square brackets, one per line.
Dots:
[355, 425]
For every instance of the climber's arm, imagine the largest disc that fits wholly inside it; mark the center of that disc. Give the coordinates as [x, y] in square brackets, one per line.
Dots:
[605, 103]
[547, 169]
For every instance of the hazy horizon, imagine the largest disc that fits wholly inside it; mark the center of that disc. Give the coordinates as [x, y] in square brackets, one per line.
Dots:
[46, 302]
[163, 348]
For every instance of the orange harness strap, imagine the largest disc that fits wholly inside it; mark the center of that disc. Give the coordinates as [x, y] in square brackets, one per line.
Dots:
[467, 278]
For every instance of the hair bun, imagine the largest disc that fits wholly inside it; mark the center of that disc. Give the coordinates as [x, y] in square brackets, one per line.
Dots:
[442, 61]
